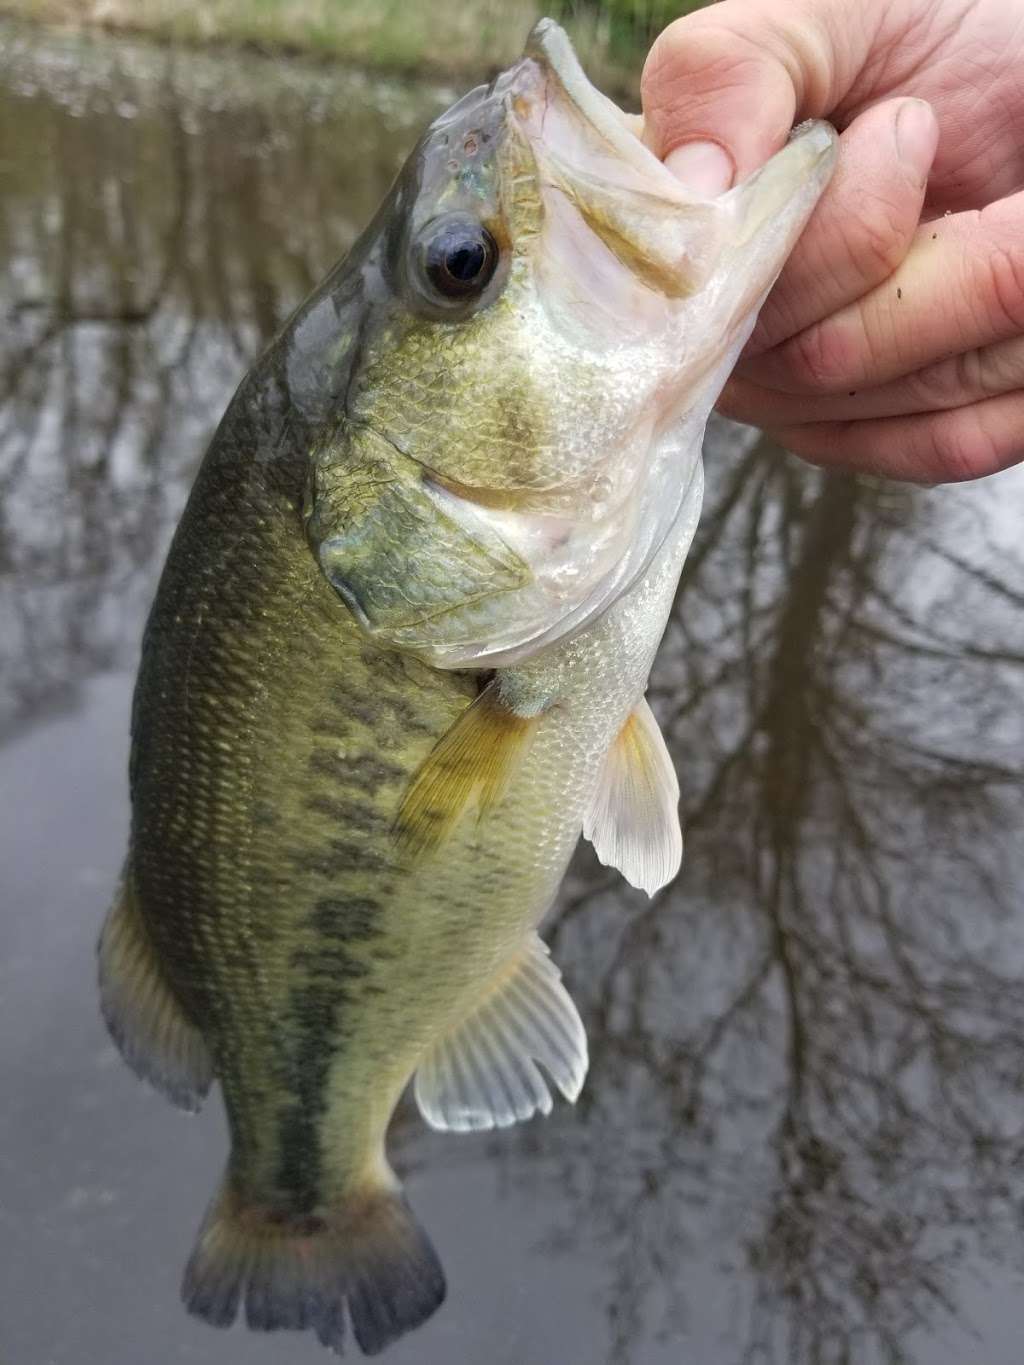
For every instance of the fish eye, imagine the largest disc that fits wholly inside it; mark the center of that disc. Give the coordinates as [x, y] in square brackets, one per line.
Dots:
[459, 257]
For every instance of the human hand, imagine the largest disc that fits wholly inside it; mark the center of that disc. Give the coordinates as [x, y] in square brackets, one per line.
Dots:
[893, 342]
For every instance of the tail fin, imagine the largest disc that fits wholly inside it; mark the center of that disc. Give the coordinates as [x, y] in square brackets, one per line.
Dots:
[145, 1020]
[300, 1271]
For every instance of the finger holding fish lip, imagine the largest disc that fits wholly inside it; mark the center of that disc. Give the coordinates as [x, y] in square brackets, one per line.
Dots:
[959, 288]
[962, 282]
[863, 224]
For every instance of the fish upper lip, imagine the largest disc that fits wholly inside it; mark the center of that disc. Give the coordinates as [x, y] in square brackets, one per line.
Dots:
[492, 499]
[549, 47]
[497, 499]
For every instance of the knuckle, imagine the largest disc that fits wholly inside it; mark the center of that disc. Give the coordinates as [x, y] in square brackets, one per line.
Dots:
[681, 49]
[674, 55]
[1000, 369]
[970, 376]
[819, 358]
[778, 319]
[1004, 286]
[963, 449]
[658, 70]
[876, 239]
[692, 58]
[933, 386]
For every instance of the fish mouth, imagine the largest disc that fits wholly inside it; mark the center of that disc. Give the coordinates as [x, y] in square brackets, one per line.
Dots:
[573, 127]
[666, 236]
[554, 501]
[566, 83]
[560, 503]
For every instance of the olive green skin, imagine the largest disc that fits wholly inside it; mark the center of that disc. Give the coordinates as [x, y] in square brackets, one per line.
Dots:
[287, 693]
[409, 500]
[272, 746]
[273, 742]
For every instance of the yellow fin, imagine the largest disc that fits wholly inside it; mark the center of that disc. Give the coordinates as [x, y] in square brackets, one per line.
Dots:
[470, 766]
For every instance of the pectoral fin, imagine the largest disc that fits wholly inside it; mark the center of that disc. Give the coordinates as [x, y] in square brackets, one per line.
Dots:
[469, 768]
[485, 1073]
[633, 820]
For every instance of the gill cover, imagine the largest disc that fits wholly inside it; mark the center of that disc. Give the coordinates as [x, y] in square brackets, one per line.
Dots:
[399, 549]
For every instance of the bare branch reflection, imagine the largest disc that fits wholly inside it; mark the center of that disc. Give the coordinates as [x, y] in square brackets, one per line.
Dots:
[161, 217]
[807, 1053]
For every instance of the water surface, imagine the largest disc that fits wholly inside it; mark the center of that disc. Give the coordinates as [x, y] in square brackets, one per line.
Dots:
[801, 1138]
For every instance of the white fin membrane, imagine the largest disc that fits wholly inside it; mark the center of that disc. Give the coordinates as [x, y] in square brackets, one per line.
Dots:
[485, 1074]
[633, 820]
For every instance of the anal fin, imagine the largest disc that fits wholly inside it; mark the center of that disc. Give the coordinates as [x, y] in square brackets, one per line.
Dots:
[633, 820]
[485, 1073]
[143, 1016]
[470, 767]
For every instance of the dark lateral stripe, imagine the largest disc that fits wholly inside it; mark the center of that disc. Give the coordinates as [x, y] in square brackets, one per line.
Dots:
[339, 856]
[367, 772]
[326, 971]
[408, 720]
[355, 705]
[351, 919]
[352, 814]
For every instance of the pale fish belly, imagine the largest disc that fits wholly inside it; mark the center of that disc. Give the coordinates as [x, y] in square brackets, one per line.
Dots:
[458, 914]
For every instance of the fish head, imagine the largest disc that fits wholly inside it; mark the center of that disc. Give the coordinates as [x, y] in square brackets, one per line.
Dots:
[547, 316]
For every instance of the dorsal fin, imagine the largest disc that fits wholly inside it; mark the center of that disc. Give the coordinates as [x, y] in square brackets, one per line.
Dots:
[633, 820]
[154, 1035]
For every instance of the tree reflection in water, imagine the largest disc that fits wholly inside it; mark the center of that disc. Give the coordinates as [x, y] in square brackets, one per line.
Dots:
[807, 1053]
[810, 1046]
[161, 216]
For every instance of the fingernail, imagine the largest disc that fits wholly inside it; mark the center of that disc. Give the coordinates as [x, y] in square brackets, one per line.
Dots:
[917, 137]
[702, 166]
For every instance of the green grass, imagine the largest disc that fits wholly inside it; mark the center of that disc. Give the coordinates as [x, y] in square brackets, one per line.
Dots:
[453, 37]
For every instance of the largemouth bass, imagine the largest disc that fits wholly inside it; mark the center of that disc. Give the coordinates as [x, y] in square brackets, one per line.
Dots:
[396, 666]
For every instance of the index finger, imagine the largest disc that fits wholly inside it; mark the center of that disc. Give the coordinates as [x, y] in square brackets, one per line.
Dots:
[960, 287]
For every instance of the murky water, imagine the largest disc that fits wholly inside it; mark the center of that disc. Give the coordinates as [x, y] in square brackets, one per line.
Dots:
[802, 1138]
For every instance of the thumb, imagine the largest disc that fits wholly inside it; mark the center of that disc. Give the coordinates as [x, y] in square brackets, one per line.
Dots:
[722, 87]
